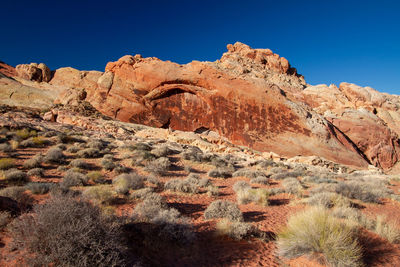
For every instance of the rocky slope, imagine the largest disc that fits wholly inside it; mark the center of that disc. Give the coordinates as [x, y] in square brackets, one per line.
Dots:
[252, 97]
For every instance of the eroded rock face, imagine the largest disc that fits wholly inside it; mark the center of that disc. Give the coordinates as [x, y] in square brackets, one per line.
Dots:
[369, 118]
[34, 72]
[242, 96]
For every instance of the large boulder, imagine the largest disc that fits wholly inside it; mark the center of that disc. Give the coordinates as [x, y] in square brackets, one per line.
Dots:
[34, 72]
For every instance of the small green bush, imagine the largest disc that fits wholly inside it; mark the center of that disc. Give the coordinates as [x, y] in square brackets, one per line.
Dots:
[96, 177]
[100, 194]
[124, 182]
[15, 177]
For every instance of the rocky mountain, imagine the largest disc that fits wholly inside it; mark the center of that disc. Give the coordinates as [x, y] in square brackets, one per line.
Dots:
[252, 97]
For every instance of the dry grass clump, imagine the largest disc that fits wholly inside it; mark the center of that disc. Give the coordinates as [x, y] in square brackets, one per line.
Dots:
[73, 178]
[328, 200]
[212, 191]
[223, 209]
[162, 151]
[100, 194]
[182, 185]
[237, 230]
[54, 155]
[240, 185]
[6, 148]
[258, 196]
[142, 146]
[89, 153]
[153, 180]
[5, 218]
[317, 180]
[160, 166]
[260, 180]
[141, 193]
[15, 177]
[170, 225]
[124, 182]
[292, 186]
[73, 149]
[220, 173]
[25, 133]
[39, 188]
[7, 163]
[69, 232]
[38, 141]
[96, 177]
[365, 192]
[18, 194]
[287, 174]
[252, 174]
[34, 162]
[387, 229]
[107, 163]
[37, 172]
[316, 231]
[265, 164]
[79, 163]
[193, 153]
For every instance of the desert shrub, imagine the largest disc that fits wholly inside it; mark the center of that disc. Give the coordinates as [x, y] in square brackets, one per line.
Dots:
[89, 153]
[62, 168]
[275, 191]
[218, 161]
[237, 230]
[100, 194]
[97, 144]
[121, 169]
[25, 133]
[220, 173]
[124, 182]
[15, 177]
[173, 227]
[260, 180]
[317, 231]
[5, 218]
[317, 180]
[387, 229]
[195, 179]
[292, 186]
[212, 191]
[184, 186]
[265, 164]
[240, 185]
[223, 209]
[6, 148]
[64, 138]
[34, 162]
[7, 163]
[283, 175]
[37, 172]
[141, 193]
[107, 164]
[193, 154]
[149, 208]
[361, 191]
[249, 173]
[73, 178]
[249, 195]
[82, 238]
[162, 151]
[54, 155]
[142, 158]
[323, 188]
[328, 200]
[37, 141]
[159, 166]
[39, 188]
[18, 194]
[96, 177]
[142, 147]
[79, 163]
[73, 149]
[153, 180]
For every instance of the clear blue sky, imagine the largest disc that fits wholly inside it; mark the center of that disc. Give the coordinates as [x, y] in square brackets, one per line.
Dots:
[327, 41]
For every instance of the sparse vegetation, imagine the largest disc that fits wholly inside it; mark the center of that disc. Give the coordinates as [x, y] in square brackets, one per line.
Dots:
[292, 186]
[124, 182]
[220, 173]
[15, 177]
[6, 163]
[159, 166]
[82, 238]
[39, 188]
[100, 194]
[237, 230]
[316, 231]
[73, 178]
[37, 172]
[79, 163]
[96, 177]
[223, 209]
[54, 155]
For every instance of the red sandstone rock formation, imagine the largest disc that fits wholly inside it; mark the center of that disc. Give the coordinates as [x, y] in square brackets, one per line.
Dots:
[34, 72]
[7, 70]
[253, 97]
